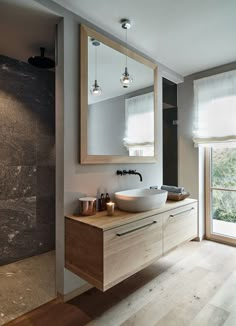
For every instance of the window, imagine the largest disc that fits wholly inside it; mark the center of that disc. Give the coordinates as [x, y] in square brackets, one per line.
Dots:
[215, 128]
[221, 193]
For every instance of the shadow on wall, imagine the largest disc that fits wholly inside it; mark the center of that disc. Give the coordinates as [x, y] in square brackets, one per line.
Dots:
[27, 160]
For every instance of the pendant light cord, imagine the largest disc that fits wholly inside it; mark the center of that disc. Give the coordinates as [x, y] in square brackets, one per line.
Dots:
[126, 47]
[95, 62]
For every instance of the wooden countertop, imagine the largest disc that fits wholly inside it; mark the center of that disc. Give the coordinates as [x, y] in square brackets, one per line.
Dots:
[104, 222]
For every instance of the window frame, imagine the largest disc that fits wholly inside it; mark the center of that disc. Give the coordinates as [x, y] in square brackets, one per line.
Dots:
[210, 235]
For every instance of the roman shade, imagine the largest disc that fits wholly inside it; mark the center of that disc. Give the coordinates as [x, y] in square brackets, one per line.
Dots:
[139, 118]
[215, 109]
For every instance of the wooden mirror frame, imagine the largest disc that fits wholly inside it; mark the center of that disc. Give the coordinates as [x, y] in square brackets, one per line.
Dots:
[86, 32]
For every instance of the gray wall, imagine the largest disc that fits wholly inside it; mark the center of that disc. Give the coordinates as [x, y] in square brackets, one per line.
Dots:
[27, 160]
[191, 159]
[106, 125]
[85, 179]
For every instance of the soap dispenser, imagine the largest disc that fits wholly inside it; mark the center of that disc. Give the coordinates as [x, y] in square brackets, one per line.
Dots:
[102, 203]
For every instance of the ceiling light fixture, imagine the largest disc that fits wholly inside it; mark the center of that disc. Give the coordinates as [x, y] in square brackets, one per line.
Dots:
[126, 79]
[42, 61]
[95, 89]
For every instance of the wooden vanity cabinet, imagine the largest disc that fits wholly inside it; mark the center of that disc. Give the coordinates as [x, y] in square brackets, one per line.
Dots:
[179, 225]
[106, 250]
[129, 248]
[84, 252]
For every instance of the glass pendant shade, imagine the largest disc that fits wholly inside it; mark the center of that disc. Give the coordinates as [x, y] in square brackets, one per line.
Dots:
[126, 80]
[95, 89]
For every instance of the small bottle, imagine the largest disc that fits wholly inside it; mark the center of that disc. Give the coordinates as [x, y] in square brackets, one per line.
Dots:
[108, 199]
[101, 203]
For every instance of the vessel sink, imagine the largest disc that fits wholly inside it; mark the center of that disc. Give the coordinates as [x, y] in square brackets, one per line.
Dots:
[140, 200]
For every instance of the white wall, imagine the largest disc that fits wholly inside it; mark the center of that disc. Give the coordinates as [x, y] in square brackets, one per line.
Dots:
[191, 159]
[187, 154]
[88, 179]
[109, 140]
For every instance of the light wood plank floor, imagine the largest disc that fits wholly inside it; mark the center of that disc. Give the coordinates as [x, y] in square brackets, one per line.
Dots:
[194, 285]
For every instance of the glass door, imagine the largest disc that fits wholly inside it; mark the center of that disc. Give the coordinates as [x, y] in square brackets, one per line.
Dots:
[221, 193]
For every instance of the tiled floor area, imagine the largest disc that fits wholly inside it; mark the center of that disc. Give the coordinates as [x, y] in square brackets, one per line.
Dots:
[25, 285]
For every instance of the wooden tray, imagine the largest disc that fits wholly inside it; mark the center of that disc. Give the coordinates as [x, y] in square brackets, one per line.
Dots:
[177, 197]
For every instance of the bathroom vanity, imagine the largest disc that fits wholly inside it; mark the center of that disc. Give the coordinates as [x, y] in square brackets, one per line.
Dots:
[105, 250]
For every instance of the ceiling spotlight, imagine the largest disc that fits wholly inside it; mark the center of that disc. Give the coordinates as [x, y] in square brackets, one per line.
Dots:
[125, 23]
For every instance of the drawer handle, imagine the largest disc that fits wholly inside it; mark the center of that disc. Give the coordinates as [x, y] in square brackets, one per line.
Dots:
[133, 230]
[187, 210]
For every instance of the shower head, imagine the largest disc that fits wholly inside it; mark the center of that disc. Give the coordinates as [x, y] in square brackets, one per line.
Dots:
[42, 61]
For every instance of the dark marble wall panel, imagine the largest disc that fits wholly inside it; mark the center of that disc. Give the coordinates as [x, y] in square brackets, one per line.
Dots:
[45, 181]
[17, 149]
[45, 208]
[17, 181]
[27, 160]
[17, 226]
[45, 237]
[45, 150]
[16, 115]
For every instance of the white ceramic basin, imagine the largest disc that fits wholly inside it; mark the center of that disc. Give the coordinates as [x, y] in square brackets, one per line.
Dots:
[140, 200]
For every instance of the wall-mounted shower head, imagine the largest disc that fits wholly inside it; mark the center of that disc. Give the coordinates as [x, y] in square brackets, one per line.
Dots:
[42, 61]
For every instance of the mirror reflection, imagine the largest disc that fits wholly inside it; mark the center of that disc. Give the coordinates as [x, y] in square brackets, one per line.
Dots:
[120, 120]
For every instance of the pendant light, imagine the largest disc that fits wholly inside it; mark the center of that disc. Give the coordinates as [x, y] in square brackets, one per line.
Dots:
[126, 79]
[95, 89]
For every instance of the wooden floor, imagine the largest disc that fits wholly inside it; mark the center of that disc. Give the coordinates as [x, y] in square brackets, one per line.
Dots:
[194, 285]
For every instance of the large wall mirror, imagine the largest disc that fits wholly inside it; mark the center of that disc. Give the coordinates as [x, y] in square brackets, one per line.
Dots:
[118, 124]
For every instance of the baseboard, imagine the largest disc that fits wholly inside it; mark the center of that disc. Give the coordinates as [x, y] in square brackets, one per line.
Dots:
[75, 293]
[199, 239]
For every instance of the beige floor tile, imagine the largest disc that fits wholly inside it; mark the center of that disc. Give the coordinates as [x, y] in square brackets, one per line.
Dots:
[26, 285]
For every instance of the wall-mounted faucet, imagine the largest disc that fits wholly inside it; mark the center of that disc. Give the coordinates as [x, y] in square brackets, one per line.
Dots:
[124, 172]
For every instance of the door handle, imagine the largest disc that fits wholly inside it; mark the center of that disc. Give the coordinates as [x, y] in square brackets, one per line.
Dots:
[133, 230]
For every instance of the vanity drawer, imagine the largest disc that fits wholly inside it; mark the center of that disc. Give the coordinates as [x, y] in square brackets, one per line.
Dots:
[179, 225]
[129, 248]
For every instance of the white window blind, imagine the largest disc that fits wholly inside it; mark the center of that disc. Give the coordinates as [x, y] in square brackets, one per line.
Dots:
[139, 133]
[215, 109]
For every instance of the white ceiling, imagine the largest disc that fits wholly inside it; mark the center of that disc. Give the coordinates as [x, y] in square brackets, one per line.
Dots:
[187, 36]
[25, 26]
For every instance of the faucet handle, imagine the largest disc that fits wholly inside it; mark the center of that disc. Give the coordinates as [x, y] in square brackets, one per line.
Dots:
[132, 171]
